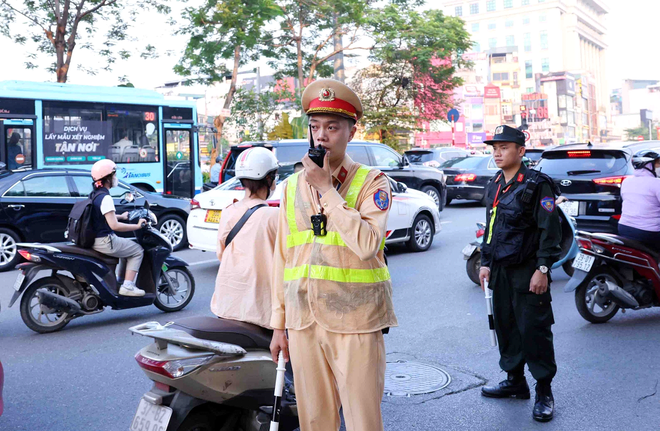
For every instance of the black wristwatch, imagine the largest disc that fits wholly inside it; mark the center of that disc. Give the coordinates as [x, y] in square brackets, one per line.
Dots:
[543, 269]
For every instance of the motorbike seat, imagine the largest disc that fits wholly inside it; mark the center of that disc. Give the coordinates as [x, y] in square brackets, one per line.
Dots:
[638, 245]
[71, 248]
[246, 335]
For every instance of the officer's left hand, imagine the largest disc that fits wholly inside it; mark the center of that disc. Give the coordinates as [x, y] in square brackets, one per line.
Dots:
[539, 283]
[319, 178]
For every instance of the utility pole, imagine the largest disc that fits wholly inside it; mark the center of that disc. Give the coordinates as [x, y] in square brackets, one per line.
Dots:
[339, 57]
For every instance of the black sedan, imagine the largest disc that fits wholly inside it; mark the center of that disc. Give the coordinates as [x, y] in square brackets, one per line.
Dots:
[36, 205]
[467, 177]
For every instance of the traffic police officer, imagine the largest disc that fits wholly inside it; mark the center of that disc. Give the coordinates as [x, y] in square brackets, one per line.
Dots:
[331, 286]
[521, 243]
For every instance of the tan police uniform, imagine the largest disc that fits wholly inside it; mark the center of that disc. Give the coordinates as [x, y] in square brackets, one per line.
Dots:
[333, 293]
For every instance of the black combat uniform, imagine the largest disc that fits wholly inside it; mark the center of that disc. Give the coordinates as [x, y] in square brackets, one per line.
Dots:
[523, 233]
[523, 237]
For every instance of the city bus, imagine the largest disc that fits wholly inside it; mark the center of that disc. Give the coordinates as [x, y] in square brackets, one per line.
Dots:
[51, 125]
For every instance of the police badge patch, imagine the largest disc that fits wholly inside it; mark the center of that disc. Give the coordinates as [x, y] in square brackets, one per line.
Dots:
[382, 200]
[548, 204]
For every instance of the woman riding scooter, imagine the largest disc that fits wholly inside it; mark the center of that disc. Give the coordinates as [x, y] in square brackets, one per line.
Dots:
[640, 215]
[105, 223]
[243, 285]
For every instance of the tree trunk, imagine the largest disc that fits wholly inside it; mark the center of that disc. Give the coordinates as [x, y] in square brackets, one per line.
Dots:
[219, 121]
[61, 69]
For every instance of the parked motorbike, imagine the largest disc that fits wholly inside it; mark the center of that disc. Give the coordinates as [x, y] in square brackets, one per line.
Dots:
[83, 282]
[611, 273]
[209, 374]
[569, 247]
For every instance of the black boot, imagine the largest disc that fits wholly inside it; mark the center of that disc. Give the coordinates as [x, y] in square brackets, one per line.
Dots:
[515, 386]
[544, 406]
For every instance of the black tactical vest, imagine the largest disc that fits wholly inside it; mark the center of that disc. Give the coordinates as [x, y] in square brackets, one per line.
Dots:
[515, 236]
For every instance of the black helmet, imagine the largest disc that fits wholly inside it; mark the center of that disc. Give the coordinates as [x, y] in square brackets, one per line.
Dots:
[645, 157]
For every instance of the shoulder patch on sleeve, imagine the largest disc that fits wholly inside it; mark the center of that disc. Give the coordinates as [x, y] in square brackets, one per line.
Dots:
[379, 175]
[548, 204]
[382, 199]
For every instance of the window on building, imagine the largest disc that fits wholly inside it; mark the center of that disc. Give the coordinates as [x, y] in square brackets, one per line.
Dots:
[492, 26]
[510, 40]
[503, 76]
[476, 47]
[528, 70]
[492, 42]
[529, 90]
[508, 4]
[475, 27]
[544, 40]
[543, 17]
[474, 8]
[526, 20]
[524, 3]
[490, 5]
[458, 11]
[508, 23]
[515, 78]
[527, 42]
[545, 65]
[506, 109]
[541, 1]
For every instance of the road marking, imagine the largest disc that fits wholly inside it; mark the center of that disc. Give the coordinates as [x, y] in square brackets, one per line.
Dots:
[204, 262]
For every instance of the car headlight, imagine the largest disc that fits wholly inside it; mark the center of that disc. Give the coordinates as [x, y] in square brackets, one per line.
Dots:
[153, 217]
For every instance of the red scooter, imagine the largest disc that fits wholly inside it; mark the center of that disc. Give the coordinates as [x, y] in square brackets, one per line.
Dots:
[613, 272]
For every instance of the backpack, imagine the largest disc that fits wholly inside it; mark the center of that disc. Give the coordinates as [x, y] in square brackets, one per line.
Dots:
[79, 229]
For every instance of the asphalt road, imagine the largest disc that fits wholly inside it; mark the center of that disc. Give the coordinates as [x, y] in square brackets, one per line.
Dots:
[85, 378]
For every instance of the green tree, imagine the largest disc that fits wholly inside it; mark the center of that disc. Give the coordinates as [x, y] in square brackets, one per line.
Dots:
[251, 110]
[632, 134]
[415, 56]
[57, 27]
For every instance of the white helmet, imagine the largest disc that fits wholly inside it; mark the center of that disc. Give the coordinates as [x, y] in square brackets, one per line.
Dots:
[255, 164]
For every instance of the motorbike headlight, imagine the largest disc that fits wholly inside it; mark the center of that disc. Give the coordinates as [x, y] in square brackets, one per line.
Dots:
[153, 217]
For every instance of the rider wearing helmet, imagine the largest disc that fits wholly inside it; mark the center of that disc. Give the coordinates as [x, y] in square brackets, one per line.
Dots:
[105, 223]
[243, 285]
[640, 216]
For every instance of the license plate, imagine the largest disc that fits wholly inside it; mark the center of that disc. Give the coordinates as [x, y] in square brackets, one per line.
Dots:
[19, 281]
[572, 208]
[468, 250]
[150, 417]
[213, 216]
[583, 262]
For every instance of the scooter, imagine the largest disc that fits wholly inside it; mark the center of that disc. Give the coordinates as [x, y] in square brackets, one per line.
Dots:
[569, 248]
[83, 282]
[611, 273]
[210, 374]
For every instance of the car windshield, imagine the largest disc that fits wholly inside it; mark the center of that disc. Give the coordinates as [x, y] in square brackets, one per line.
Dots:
[419, 156]
[463, 162]
[534, 155]
[581, 163]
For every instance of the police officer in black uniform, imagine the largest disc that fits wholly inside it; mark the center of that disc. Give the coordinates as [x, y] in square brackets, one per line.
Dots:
[521, 243]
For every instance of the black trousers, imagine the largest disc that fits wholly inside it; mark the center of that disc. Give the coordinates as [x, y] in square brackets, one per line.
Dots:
[523, 322]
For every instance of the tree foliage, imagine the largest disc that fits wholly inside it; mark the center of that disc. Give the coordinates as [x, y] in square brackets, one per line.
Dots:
[412, 77]
[58, 27]
[633, 133]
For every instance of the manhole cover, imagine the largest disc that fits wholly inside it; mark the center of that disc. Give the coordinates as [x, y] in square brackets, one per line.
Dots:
[413, 378]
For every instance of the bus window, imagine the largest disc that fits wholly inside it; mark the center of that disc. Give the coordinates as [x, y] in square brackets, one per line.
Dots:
[79, 133]
[134, 134]
[19, 147]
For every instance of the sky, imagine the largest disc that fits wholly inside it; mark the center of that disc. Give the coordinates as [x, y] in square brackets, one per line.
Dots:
[631, 55]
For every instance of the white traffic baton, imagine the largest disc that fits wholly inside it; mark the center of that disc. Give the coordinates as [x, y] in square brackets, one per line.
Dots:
[279, 388]
[489, 307]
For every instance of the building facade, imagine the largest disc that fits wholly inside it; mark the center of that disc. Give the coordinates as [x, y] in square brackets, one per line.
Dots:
[524, 39]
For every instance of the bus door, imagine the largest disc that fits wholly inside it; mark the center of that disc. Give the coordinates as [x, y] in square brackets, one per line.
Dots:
[17, 143]
[179, 160]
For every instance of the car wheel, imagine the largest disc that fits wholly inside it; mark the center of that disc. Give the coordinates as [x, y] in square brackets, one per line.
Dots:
[448, 201]
[173, 228]
[435, 194]
[422, 234]
[9, 256]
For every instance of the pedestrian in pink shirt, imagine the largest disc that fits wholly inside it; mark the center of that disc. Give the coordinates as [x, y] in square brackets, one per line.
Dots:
[243, 286]
[640, 216]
